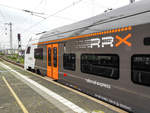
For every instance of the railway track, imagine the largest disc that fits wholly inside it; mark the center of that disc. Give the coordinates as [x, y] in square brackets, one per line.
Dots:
[18, 64]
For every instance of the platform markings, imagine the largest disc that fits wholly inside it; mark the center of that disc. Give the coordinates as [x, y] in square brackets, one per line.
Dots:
[15, 96]
[40, 89]
[80, 93]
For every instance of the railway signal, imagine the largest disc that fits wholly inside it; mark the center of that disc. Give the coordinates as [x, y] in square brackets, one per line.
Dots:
[132, 1]
[19, 42]
[18, 36]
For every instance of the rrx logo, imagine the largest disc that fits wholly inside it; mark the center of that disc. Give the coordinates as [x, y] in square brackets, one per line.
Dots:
[109, 41]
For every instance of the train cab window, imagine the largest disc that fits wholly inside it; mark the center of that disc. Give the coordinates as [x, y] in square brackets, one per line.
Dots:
[55, 56]
[104, 65]
[38, 53]
[49, 57]
[69, 61]
[28, 50]
[140, 69]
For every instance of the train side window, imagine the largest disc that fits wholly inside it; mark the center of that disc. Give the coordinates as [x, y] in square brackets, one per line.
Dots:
[104, 65]
[28, 50]
[38, 53]
[147, 41]
[49, 57]
[69, 61]
[140, 69]
[55, 56]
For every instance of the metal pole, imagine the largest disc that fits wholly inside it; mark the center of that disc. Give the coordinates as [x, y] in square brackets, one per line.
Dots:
[10, 35]
[10, 25]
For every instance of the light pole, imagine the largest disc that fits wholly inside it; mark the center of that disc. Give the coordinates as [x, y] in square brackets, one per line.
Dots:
[10, 25]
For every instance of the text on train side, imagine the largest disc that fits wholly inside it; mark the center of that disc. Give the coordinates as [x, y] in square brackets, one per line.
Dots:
[109, 41]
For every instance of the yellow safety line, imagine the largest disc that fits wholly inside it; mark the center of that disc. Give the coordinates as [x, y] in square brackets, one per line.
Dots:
[15, 96]
[80, 93]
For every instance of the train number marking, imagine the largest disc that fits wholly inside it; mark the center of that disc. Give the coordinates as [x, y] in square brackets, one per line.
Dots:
[123, 40]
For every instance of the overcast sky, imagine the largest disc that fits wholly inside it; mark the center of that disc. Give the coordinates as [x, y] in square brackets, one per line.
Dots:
[60, 12]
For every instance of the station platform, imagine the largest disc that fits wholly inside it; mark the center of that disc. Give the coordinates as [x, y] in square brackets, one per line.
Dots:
[22, 91]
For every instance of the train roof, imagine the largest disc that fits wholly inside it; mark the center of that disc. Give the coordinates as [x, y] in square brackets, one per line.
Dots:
[130, 10]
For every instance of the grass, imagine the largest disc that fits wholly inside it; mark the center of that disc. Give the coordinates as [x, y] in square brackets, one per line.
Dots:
[16, 58]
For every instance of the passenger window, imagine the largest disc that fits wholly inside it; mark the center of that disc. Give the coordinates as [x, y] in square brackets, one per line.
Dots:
[49, 57]
[28, 50]
[55, 56]
[69, 61]
[147, 41]
[140, 69]
[38, 53]
[104, 65]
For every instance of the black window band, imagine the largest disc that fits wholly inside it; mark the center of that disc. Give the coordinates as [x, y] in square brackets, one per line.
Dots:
[104, 65]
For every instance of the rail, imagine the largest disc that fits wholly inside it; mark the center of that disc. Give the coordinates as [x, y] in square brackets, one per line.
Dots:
[18, 64]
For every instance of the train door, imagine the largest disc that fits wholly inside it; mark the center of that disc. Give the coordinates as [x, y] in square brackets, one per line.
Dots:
[55, 61]
[49, 61]
[52, 61]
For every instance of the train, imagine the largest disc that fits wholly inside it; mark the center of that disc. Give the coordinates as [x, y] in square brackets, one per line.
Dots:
[106, 56]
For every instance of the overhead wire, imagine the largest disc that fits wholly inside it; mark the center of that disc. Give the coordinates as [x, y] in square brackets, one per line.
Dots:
[106, 6]
[24, 10]
[44, 18]
[65, 18]
[59, 11]
[41, 2]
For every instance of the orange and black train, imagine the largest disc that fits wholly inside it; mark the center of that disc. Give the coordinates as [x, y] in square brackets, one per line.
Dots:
[106, 56]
